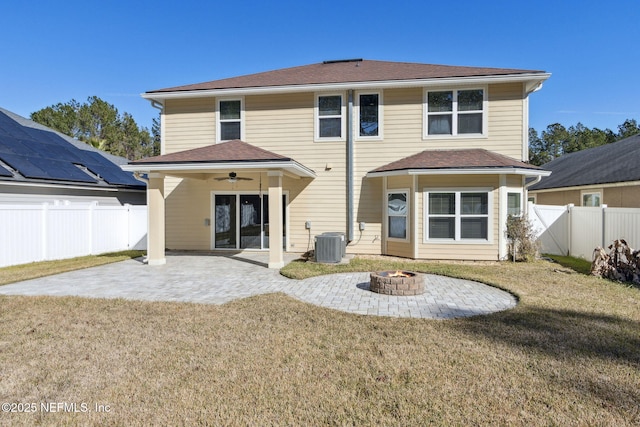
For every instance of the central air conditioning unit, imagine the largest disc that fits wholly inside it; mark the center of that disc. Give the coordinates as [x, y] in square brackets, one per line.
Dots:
[329, 247]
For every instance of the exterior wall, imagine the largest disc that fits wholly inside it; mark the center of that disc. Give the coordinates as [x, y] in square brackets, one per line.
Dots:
[285, 124]
[622, 197]
[616, 196]
[557, 197]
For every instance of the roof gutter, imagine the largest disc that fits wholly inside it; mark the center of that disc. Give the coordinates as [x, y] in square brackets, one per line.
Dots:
[193, 167]
[463, 171]
[535, 80]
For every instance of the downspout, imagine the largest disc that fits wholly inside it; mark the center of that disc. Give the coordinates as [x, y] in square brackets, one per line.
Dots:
[350, 167]
[526, 192]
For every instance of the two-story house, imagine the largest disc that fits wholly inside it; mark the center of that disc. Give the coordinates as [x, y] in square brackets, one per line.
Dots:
[414, 160]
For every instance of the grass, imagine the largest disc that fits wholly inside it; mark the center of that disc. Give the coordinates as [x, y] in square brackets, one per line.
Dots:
[568, 354]
[34, 270]
[576, 264]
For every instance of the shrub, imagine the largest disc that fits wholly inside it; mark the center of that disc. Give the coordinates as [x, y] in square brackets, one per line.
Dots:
[523, 244]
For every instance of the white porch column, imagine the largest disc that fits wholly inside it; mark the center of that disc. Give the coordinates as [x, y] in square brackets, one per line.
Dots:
[155, 230]
[276, 258]
[502, 214]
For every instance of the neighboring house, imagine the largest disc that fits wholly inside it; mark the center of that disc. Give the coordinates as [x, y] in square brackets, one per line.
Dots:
[405, 159]
[39, 165]
[609, 174]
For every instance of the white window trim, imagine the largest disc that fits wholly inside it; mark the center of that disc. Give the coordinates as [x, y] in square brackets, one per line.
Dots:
[407, 216]
[458, 239]
[454, 124]
[591, 192]
[356, 129]
[218, 120]
[343, 118]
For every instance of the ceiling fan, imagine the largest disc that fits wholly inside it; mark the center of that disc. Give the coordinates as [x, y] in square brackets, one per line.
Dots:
[233, 177]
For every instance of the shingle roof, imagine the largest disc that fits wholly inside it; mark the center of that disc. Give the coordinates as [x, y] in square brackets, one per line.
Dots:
[346, 71]
[454, 159]
[616, 162]
[230, 151]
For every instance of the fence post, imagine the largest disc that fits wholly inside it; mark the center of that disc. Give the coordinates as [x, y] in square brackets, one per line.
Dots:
[569, 233]
[128, 206]
[45, 232]
[604, 226]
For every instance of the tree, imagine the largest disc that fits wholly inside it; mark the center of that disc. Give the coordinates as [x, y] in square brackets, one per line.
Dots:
[628, 128]
[99, 124]
[556, 140]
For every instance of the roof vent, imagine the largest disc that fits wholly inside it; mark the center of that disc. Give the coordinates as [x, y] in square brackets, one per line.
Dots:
[336, 61]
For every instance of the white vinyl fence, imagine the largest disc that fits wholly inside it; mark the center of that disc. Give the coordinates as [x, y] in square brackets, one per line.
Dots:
[577, 231]
[30, 233]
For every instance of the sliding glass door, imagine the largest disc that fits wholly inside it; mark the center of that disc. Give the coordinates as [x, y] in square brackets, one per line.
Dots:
[241, 221]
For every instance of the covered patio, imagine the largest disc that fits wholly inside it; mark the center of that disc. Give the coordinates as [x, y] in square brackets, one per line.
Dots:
[228, 162]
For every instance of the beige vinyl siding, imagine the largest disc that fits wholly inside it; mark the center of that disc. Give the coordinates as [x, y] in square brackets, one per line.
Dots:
[187, 204]
[505, 120]
[284, 124]
[616, 195]
[189, 123]
[562, 197]
[622, 197]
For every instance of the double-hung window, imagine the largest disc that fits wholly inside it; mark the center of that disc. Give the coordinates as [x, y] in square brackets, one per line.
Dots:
[330, 123]
[397, 214]
[369, 115]
[457, 215]
[230, 118]
[455, 113]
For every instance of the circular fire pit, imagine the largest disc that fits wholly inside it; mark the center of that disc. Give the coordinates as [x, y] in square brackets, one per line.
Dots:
[398, 282]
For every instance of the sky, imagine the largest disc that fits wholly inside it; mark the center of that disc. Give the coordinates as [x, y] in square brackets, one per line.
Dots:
[55, 51]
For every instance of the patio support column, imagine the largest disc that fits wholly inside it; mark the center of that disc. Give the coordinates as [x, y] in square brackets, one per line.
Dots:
[155, 230]
[502, 214]
[276, 256]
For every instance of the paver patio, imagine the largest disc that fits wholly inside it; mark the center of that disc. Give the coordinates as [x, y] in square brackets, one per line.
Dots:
[218, 279]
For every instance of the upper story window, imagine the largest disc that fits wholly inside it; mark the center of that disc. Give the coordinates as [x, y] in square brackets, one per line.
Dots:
[455, 113]
[330, 112]
[369, 115]
[230, 119]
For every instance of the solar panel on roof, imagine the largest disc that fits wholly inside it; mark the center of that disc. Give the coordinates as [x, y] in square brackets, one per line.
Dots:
[10, 127]
[42, 154]
[4, 171]
[24, 166]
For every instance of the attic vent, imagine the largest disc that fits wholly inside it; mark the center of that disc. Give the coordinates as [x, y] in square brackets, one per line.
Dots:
[335, 61]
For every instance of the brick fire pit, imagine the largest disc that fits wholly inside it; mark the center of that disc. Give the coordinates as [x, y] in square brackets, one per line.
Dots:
[400, 283]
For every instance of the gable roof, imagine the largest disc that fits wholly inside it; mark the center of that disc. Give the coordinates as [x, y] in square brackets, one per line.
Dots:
[235, 154]
[615, 162]
[32, 153]
[347, 71]
[474, 160]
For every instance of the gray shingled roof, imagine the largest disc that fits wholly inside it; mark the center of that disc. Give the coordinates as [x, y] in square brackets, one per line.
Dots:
[616, 162]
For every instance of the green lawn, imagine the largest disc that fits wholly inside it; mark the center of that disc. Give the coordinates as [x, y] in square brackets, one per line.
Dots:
[568, 354]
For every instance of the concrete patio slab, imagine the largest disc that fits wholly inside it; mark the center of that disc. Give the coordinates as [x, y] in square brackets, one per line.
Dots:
[218, 279]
